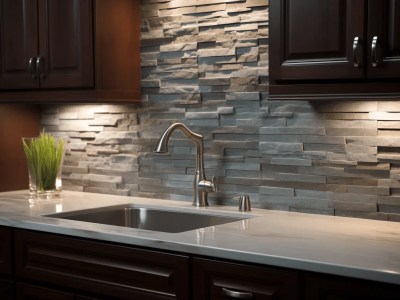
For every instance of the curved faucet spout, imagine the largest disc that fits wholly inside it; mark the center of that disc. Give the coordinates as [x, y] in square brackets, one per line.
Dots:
[162, 144]
[201, 186]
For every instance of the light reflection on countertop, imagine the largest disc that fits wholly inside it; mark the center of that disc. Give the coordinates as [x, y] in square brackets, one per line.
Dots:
[45, 207]
[351, 247]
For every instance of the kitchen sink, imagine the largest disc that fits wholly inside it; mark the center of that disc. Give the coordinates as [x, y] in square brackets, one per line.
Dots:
[150, 218]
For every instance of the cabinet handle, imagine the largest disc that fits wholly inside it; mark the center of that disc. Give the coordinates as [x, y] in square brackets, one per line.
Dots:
[31, 67]
[40, 67]
[374, 57]
[356, 62]
[237, 295]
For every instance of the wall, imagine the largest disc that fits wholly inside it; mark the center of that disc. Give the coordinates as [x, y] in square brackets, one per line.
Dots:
[205, 63]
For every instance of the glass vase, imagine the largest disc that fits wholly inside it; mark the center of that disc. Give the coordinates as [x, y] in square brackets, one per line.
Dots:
[44, 162]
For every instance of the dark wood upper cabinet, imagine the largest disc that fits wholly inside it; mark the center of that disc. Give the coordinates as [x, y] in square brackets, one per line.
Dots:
[69, 51]
[315, 39]
[334, 48]
[46, 44]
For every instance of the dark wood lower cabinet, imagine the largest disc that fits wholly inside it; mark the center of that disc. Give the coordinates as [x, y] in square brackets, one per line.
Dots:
[325, 287]
[51, 266]
[220, 280]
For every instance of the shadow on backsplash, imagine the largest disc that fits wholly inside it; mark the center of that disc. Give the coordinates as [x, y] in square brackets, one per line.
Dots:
[211, 73]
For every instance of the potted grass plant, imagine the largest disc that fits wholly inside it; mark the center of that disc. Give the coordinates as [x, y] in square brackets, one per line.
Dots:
[44, 156]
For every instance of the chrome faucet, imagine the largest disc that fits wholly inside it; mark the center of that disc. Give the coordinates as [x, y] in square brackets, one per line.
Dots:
[201, 186]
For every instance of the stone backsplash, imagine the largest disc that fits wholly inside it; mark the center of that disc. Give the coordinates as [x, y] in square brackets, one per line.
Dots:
[205, 63]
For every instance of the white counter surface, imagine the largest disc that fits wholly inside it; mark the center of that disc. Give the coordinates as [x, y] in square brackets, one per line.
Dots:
[351, 247]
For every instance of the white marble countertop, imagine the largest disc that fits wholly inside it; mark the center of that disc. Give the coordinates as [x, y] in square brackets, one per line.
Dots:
[351, 247]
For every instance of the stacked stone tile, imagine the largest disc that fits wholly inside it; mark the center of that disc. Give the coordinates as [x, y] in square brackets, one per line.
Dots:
[205, 63]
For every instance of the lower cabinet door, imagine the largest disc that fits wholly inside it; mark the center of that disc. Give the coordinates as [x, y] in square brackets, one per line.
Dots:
[6, 290]
[32, 292]
[222, 280]
[326, 287]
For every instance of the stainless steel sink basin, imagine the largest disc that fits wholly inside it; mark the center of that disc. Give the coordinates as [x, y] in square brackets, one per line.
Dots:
[149, 218]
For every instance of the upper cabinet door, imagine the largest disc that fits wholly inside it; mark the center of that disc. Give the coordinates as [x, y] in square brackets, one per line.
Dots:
[384, 38]
[18, 44]
[66, 43]
[46, 44]
[316, 39]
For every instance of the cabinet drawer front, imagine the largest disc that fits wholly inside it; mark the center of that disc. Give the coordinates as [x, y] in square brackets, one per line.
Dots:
[101, 268]
[5, 251]
[221, 280]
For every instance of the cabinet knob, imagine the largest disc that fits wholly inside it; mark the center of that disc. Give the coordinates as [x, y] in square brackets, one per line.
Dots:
[374, 55]
[356, 61]
[31, 67]
[237, 295]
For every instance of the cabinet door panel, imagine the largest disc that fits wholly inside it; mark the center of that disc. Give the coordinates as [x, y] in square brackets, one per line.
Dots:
[19, 43]
[104, 269]
[313, 39]
[384, 26]
[66, 43]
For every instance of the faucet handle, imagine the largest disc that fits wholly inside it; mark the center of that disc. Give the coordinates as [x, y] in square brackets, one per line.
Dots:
[208, 186]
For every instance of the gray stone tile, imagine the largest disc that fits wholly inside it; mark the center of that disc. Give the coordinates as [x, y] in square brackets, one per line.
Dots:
[277, 148]
[301, 178]
[276, 191]
[292, 130]
[291, 161]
